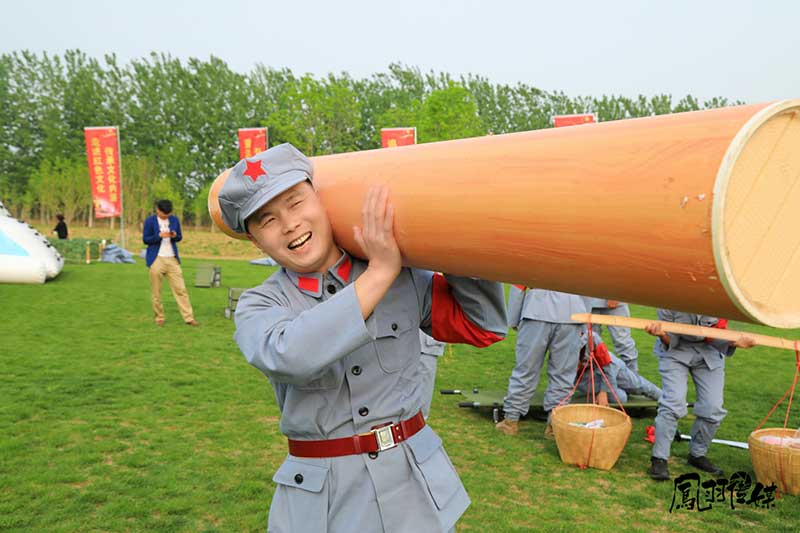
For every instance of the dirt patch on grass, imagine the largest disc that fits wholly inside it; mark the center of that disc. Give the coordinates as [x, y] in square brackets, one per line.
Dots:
[213, 520]
[80, 485]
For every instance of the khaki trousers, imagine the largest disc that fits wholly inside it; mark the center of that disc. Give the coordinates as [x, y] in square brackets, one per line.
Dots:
[170, 268]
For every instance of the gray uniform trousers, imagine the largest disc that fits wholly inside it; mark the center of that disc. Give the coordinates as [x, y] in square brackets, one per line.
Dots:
[705, 363]
[543, 320]
[534, 340]
[624, 345]
[429, 356]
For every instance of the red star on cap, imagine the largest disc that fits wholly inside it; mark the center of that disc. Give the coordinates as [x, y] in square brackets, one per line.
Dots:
[254, 170]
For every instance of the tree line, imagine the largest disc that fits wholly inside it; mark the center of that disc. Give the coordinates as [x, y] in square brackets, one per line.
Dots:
[178, 121]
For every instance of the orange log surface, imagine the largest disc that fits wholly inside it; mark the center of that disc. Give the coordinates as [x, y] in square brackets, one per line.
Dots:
[694, 211]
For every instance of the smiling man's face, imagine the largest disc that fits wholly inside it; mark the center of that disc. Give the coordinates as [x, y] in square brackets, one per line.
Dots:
[294, 230]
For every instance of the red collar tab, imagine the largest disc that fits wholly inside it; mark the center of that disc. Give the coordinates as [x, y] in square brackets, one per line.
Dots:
[722, 323]
[344, 270]
[308, 284]
[254, 170]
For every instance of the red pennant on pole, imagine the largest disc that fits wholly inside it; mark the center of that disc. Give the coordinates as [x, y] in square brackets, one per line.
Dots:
[391, 137]
[102, 152]
[573, 120]
[252, 141]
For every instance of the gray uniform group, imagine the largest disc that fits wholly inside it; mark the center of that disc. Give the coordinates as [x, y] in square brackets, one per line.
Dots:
[544, 325]
[705, 362]
[337, 375]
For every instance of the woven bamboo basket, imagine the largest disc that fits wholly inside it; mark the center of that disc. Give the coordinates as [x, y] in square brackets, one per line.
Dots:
[775, 464]
[597, 448]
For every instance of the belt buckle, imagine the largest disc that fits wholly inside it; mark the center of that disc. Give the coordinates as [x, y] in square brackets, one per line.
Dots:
[384, 437]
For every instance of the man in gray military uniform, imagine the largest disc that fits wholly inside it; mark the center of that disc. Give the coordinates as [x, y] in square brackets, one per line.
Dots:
[621, 337]
[544, 323]
[621, 379]
[704, 359]
[429, 357]
[338, 338]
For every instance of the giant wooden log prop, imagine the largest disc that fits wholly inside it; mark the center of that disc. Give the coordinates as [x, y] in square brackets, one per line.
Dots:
[693, 211]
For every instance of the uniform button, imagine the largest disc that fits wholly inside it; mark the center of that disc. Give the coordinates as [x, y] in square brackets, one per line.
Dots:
[394, 327]
[356, 370]
[298, 478]
[373, 455]
[363, 411]
[331, 289]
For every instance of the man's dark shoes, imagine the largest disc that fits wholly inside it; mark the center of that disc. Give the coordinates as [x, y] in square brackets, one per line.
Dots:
[702, 463]
[658, 469]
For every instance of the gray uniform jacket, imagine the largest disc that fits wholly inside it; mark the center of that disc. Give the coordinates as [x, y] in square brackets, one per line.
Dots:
[431, 350]
[685, 347]
[431, 346]
[595, 303]
[543, 305]
[337, 375]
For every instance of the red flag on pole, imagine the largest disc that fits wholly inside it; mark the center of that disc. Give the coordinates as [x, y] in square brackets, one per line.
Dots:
[102, 151]
[252, 141]
[573, 120]
[391, 137]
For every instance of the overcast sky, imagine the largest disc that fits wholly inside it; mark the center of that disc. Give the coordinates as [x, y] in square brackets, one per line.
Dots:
[743, 49]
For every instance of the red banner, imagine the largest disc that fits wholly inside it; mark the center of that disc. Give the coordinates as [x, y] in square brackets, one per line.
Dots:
[252, 141]
[573, 120]
[102, 151]
[391, 137]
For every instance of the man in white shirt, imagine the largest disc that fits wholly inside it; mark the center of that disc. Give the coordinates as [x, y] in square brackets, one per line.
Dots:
[161, 232]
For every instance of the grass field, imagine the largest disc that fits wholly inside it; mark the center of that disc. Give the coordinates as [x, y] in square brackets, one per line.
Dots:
[108, 423]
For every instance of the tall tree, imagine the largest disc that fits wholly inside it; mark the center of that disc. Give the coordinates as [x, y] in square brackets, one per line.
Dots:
[449, 114]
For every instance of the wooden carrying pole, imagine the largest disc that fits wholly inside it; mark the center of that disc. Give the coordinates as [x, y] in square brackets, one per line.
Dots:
[688, 329]
[692, 211]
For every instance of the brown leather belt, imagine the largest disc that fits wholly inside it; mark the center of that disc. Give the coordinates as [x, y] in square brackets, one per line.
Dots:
[380, 438]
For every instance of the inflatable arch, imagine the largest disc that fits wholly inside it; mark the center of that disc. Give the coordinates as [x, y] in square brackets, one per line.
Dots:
[25, 254]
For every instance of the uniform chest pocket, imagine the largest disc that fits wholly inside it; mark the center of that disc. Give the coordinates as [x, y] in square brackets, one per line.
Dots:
[396, 341]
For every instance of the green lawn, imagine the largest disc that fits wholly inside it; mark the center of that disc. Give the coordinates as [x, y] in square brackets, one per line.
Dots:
[108, 423]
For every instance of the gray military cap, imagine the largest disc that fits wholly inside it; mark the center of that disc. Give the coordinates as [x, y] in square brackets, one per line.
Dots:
[255, 181]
